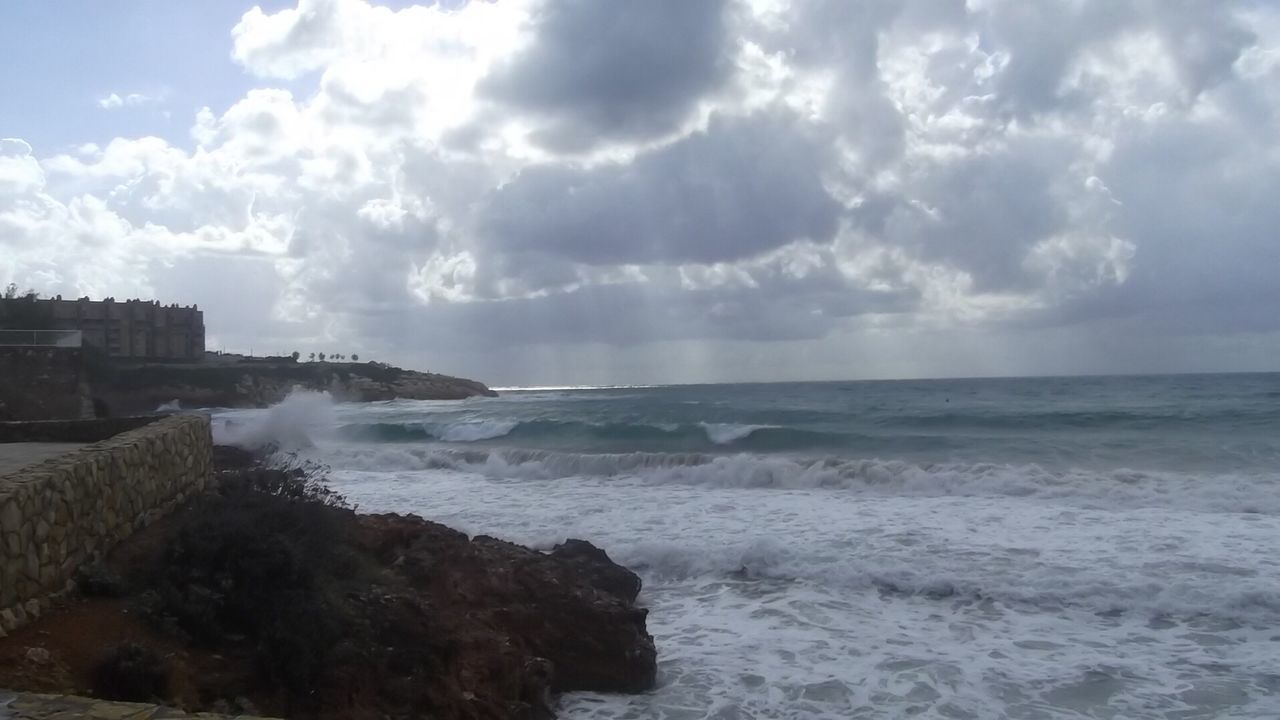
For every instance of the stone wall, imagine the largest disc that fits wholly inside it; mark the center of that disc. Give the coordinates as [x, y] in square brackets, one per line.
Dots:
[60, 514]
[43, 383]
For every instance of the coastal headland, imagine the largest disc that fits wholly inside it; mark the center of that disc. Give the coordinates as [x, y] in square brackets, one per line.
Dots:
[121, 388]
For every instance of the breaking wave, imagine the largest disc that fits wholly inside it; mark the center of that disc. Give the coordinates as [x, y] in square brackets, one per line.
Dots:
[1227, 493]
[296, 423]
[729, 433]
[687, 436]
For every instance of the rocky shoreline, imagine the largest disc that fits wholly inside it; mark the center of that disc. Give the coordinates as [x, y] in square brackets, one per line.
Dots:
[123, 389]
[270, 597]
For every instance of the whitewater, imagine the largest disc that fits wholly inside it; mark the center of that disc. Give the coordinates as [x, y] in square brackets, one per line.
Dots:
[1012, 548]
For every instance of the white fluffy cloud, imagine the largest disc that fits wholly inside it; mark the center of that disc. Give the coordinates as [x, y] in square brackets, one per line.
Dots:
[585, 181]
[113, 100]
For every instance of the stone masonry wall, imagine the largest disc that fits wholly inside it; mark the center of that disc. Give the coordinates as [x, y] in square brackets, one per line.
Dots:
[73, 509]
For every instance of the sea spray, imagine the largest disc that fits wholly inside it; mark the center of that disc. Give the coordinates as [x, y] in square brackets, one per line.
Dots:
[296, 423]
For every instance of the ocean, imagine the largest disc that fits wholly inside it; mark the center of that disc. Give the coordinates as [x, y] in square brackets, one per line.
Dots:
[1101, 547]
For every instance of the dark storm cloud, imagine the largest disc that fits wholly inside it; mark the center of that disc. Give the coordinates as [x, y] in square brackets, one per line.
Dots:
[739, 188]
[1045, 39]
[845, 38]
[980, 214]
[1203, 219]
[636, 313]
[601, 70]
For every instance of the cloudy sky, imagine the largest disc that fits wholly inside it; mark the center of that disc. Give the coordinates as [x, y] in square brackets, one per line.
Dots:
[586, 192]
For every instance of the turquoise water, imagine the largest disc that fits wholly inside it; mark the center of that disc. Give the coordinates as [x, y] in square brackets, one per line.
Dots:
[1211, 422]
[1023, 548]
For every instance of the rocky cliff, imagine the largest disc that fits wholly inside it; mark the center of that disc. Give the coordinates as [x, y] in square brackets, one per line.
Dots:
[131, 389]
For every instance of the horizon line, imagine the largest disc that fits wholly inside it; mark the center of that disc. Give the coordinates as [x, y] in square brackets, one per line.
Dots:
[1100, 375]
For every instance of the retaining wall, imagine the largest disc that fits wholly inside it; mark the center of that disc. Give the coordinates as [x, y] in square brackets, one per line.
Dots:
[60, 514]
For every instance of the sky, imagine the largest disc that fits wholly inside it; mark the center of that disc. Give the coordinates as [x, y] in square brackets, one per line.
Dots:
[574, 192]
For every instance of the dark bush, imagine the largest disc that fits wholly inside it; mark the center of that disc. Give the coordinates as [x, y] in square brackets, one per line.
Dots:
[299, 485]
[98, 580]
[131, 673]
[255, 566]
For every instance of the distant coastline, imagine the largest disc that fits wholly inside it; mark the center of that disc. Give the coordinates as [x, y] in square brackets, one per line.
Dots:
[140, 388]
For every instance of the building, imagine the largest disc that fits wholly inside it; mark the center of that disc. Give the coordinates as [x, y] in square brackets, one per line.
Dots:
[133, 329]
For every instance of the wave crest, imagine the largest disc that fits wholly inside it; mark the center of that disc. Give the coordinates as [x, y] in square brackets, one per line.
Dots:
[709, 436]
[728, 433]
[295, 423]
[474, 431]
[1231, 493]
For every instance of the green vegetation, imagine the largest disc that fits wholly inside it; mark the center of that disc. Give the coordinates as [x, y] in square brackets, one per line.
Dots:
[261, 560]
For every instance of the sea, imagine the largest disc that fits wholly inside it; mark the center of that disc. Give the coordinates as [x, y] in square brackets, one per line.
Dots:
[1038, 548]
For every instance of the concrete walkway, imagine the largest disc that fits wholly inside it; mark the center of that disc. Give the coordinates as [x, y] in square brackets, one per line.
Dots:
[15, 456]
[21, 706]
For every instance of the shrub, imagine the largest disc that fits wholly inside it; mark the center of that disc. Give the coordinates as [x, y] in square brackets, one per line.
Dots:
[98, 580]
[293, 478]
[131, 673]
[255, 565]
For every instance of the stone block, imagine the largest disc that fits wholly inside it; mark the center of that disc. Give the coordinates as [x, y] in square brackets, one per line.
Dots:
[10, 516]
[31, 566]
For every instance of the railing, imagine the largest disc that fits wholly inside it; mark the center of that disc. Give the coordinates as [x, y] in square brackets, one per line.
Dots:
[41, 338]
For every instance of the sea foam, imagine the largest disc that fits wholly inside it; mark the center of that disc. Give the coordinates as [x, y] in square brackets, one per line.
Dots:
[1246, 493]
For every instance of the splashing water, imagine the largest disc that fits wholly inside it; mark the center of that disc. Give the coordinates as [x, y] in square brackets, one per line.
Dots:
[298, 422]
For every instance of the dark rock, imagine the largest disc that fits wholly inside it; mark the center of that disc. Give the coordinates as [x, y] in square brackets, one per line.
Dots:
[226, 457]
[573, 608]
[594, 565]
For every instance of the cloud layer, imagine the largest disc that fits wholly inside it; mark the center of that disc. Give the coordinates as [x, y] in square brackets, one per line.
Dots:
[575, 191]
